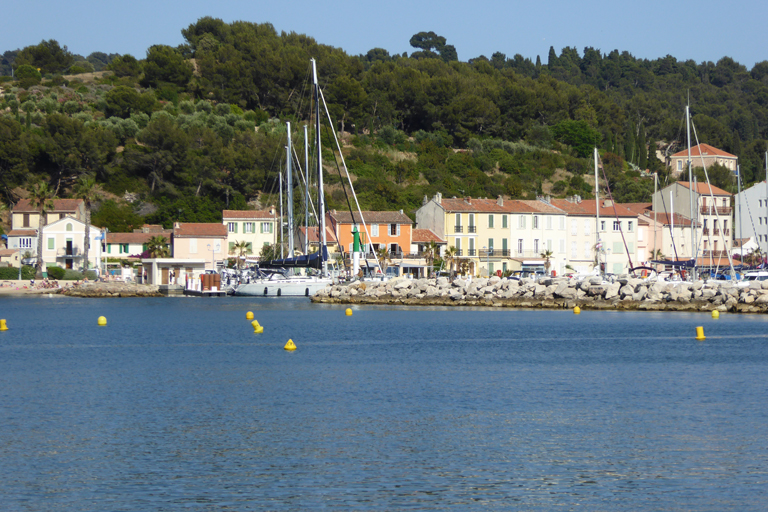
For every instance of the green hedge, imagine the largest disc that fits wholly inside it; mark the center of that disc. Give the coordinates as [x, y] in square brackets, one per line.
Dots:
[56, 273]
[76, 275]
[12, 273]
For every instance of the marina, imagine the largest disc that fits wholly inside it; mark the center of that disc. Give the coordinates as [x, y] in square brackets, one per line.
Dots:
[177, 404]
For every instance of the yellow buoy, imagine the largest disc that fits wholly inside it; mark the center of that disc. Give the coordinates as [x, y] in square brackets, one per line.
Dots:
[256, 327]
[249, 315]
[290, 345]
[349, 311]
[700, 333]
[577, 310]
[3, 327]
[715, 314]
[102, 320]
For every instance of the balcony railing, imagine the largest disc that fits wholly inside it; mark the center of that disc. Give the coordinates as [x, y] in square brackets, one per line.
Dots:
[705, 231]
[458, 229]
[471, 252]
[715, 254]
[472, 229]
[73, 252]
[710, 210]
[717, 231]
[495, 253]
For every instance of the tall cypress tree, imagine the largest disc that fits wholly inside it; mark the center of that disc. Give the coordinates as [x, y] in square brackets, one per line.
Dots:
[642, 153]
[629, 142]
[552, 58]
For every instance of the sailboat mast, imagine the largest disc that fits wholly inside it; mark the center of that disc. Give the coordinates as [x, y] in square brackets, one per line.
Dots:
[598, 248]
[738, 207]
[320, 195]
[654, 255]
[306, 192]
[690, 190]
[289, 189]
[766, 197]
[281, 216]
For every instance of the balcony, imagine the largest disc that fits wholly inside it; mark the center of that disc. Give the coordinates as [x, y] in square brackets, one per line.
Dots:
[459, 252]
[526, 254]
[471, 252]
[705, 231]
[472, 229]
[717, 231]
[495, 253]
[721, 210]
[71, 252]
[458, 229]
[715, 254]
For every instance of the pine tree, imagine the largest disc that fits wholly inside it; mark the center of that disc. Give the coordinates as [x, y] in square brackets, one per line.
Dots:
[552, 59]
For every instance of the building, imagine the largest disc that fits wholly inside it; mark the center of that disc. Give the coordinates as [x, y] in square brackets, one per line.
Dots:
[617, 250]
[751, 214]
[256, 228]
[124, 245]
[199, 241]
[536, 228]
[712, 216]
[64, 244]
[702, 155]
[25, 220]
[390, 230]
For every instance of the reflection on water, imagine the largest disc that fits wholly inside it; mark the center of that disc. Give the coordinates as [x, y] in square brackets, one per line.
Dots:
[177, 404]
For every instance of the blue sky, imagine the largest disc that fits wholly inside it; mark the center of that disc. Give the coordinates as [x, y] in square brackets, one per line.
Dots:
[703, 31]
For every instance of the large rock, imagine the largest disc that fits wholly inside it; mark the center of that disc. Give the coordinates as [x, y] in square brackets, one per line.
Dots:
[612, 290]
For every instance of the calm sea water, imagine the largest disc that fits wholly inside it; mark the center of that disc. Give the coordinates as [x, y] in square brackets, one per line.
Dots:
[177, 405]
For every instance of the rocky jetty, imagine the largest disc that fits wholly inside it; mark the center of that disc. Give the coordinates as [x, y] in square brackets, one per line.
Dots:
[111, 289]
[624, 293]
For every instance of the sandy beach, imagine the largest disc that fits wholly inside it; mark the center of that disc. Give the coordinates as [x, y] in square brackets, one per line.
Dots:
[23, 287]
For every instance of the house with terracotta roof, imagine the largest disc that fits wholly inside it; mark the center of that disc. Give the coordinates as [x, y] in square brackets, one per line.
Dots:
[537, 227]
[617, 247]
[208, 241]
[256, 228]
[25, 220]
[390, 230]
[702, 155]
[64, 244]
[308, 240]
[712, 216]
[123, 245]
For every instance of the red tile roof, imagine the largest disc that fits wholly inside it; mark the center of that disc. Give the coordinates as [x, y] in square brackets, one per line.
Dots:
[703, 189]
[539, 206]
[638, 208]
[371, 217]
[702, 150]
[194, 230]
[313, 234]
[23, 232]
[8, 252]
[132, 238]
[470, 205]
[587, 207]
[59, 205]
[249, 214]
[424, 236]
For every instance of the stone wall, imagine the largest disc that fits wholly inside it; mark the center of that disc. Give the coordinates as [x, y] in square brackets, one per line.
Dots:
[624, 293]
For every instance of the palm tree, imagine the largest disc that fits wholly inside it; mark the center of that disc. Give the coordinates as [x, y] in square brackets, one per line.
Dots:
[385, 258]
[450, 255]
[756, 257]
[430, 252]
[157, 246]
[241, 249]
[86, 190]
[547, 255]
[41, 198]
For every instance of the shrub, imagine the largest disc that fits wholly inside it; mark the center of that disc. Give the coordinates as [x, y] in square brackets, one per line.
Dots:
[12, 273]
[72, 275]
[56, 272]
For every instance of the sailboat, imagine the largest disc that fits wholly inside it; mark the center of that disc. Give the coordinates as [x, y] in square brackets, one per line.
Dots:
[272, 279]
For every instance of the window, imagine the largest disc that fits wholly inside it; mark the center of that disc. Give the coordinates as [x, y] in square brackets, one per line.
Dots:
[640, 234]
[25, 243]
[25, 221]
[504, 246]
[602, 225]
[629, 226]
[266, 227]
[249, 227]
[574, 227]
[490, 268]
[124, 248]
[504, 267]
[535, 222]
[68, 226]
[549, 244]
[51, 244]
[458, 220]
[574, 250]
[490, 244]
[521, 221]
[519, 246]
[549, 222]
[618, 248]
[231, 247]
[374, 230]
[192, 246]
[587, 226]
[562, 223]
[536, 245]
[490, 221]
[394, 229]
[617, 225]
[232, 227]
[679, 165]
[504, 221]
[587, 250]
[562, 246]
[471, 222]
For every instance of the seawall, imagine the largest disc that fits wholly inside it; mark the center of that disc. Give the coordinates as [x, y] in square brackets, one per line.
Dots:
[625, 293]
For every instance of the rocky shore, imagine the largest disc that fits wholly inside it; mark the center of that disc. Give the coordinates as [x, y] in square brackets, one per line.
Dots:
[625, 293]
[111, 289]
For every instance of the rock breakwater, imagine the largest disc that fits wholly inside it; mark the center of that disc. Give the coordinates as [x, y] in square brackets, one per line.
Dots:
[624, 293]
[112, 289]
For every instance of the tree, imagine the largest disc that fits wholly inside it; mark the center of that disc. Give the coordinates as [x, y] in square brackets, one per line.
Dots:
[269, 252]
[450, 256]
[157, 247]
[431, 251]
[432, 45]
[577, 134]
[47, 56]
[384, 257]
[41, 198]
[547, 255]
[86, 190]
[125, 65]
[122, 101]
[165, 64]
[241, 249]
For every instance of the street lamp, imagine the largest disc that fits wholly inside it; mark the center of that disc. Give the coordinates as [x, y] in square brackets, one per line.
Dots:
[213, 255]
[16, 246]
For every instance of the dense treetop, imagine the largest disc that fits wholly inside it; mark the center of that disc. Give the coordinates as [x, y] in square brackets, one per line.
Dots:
[190, 130]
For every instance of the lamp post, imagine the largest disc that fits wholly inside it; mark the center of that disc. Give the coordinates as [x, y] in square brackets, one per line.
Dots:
[213, 250]
[16, 246]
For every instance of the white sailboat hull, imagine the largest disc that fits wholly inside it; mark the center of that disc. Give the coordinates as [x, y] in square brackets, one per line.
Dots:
[284, 287]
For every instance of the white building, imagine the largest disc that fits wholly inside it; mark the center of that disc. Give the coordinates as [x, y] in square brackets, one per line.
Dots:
[751, 214]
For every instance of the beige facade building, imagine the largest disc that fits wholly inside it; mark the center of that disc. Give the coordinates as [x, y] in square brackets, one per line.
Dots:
[195, 241]
[255, 227]
[702, 155]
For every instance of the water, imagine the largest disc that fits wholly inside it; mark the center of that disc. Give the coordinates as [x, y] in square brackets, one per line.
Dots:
[177, 405]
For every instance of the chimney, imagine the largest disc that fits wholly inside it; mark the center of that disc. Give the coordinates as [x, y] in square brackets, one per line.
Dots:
[425, 200]
[468, 200]
[272, 210]
[500, 201]
[438, 197]
[401, 211]
[607, 203]
[176, 225]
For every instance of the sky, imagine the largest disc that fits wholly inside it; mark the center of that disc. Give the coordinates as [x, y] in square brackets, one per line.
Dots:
[702, 30]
